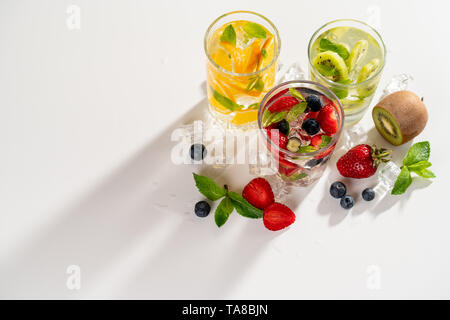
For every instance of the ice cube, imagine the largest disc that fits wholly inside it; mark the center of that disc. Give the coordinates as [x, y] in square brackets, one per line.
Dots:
[397, 83]
[294, 72]
[387, 176]
[279, 187]
[353, 136]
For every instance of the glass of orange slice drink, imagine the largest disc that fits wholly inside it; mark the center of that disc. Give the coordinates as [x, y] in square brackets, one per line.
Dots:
[242, 49]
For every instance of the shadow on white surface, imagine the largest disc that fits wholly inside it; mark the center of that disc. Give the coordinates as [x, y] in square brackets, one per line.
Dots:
[355, 186]
[137, 231]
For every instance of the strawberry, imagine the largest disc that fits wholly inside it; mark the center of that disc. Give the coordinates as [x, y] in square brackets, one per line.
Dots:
[279, 94]
[327, 119]
[361, 161]
[283, 104]
[287, 171]
[258, 193]
[316, 140]
[282, 140]
[277, 217]
[311, 115]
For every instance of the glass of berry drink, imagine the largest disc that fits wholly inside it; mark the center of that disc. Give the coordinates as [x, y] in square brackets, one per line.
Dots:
[300, 122]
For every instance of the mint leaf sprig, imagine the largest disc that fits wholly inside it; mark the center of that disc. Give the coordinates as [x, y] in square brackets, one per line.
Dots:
[229, 35]
[327, 45]
[230, 200]
[416, 161]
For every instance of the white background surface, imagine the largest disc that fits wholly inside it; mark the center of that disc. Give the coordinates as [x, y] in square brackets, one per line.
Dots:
[86, 178]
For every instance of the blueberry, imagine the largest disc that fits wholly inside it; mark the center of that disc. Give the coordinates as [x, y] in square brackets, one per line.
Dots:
[311, 126]
[314, 102]
[283, 126]
[368, 194]
[202, 209]
[198, 152]
[338, 190]
[347, 202]
[314, 162]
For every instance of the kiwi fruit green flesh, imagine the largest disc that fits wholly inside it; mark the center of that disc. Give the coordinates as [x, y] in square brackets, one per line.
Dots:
[331, 65]
[357, 54]
[400, 117]
[367, 72]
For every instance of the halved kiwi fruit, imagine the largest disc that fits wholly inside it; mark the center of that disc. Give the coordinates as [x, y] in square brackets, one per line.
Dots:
[367, 72]
[400, 117]
[357, 54]
[331, 65]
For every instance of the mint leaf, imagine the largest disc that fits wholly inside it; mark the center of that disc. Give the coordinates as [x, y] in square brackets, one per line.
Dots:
[418, 166]
[251, 83]
[419, 151]
[296, 111]
[274, 118]
[259, 85]
[307, 149]
[244, 208]
[265, 117]
[294, 92]
[340, 93]
[229, 35]
[425, 173]
[325, 141]
[255, 30]
[254, 106]
[209, 188]
[403, 182]
[255, 83]
[223, 211]
[298, 176]
[224, 101]
[327, 45]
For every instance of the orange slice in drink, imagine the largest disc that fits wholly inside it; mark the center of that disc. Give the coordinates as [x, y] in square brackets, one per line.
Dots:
[244, 117]
[223, 59]
[253, 55]
[237, 56]
[268, 48]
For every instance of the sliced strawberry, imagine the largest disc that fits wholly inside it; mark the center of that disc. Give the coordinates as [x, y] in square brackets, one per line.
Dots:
[277, 216]
[287, 171]
[326, 101]
[282, 140]
[311, 115]
[258, 193]
[272, 126]
[316, 140]
[327, 120]
[279, 94]
[285, 163]
[283, 104]
[326, 152]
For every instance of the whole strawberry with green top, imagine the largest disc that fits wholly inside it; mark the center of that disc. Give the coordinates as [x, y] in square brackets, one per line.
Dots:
[361, 161]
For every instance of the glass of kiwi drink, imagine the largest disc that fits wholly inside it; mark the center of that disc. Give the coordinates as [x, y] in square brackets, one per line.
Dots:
[348, 56]
[300, 122]
[242, 49]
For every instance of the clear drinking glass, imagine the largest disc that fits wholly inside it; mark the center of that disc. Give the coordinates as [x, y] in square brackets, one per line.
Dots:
[300, 169]
[240, 72]
[364, 63]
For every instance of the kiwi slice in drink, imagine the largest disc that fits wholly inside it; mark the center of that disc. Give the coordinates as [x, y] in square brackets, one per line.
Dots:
[357, 54]
[331, 65]
[367, 72]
